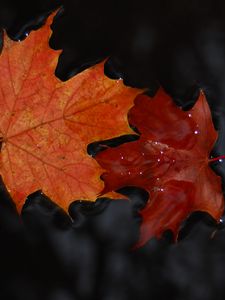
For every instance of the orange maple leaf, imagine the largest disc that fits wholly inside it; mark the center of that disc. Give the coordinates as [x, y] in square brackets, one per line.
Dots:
[46, 124]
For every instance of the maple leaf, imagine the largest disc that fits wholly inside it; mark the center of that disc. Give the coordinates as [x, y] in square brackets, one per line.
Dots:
[170, 161]
[46, 124]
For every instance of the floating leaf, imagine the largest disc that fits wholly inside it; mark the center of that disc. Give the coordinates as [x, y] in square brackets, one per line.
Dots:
[170, 161]
[46, 124]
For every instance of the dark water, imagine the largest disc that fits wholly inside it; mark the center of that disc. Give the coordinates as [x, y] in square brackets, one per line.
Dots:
[44, 255]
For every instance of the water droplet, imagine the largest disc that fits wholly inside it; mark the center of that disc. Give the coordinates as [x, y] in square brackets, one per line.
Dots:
[129, 173]
[121, 157]
[156, 189]
[157, 178]
[189, 115]
[158, 160]
[140, 172]
[221, 221]
[161, 152]
[196, 132]
[220, 160]
[161, 190]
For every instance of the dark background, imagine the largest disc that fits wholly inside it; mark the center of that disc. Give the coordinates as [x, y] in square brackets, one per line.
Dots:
[44, 254]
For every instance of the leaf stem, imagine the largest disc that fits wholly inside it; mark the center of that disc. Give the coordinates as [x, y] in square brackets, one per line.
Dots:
[219, 158]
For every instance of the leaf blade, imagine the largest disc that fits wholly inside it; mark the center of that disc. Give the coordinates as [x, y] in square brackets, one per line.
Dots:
[47, 124]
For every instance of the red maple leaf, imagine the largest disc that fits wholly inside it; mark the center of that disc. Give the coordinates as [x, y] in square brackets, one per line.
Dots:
[170, 161]
[46, 124]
